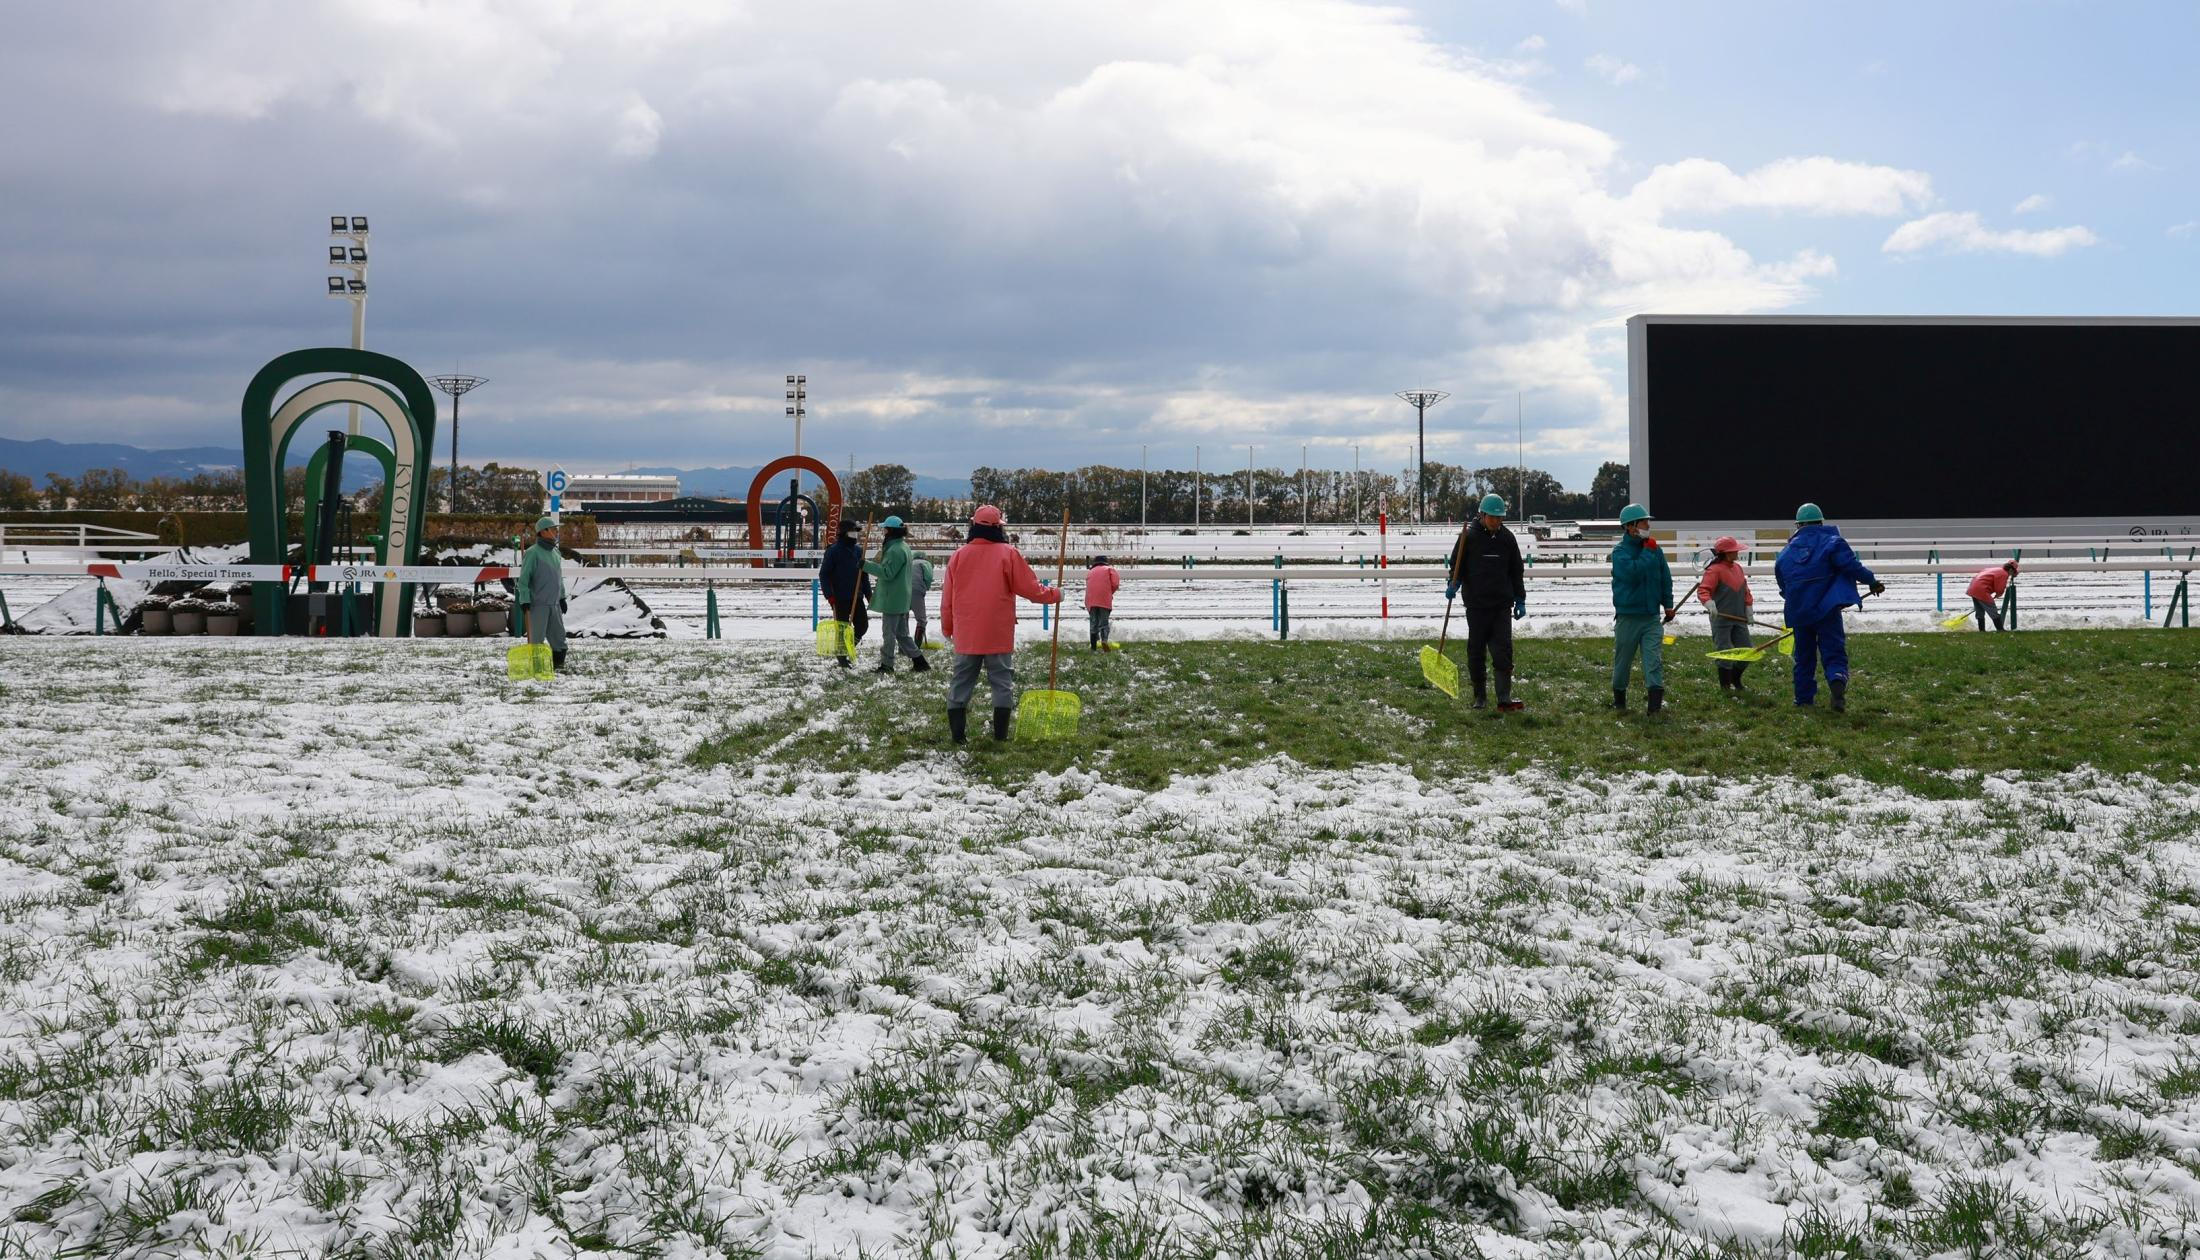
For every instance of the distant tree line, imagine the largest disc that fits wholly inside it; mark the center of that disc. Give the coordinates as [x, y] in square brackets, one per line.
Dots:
[1102, 494]
[490, 488]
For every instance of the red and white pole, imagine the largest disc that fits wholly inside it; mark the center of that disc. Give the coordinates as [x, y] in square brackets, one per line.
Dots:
[1382, 556]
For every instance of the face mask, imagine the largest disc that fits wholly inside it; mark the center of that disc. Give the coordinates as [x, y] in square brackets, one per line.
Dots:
[546, 543]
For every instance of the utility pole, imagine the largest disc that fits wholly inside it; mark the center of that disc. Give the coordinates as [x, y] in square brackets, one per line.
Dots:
[1141, 485]
[1195, 487]
[1248, 483]
[1355, 483]
[1520, 458]
[1422, 400]
[457, 387]
[1302, 485]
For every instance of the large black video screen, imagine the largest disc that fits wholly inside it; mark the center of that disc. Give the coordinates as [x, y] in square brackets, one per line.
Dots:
[1922, 421]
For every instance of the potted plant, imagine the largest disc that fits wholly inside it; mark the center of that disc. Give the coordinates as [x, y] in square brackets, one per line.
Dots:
[240, 594]
[458, 617]
[153, 615]
[492, 614]
[427, 622]
[224, 618]
[187, 615]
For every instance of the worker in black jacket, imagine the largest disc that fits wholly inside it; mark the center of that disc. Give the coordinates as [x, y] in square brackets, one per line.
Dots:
[1486, 568]
[841, 578]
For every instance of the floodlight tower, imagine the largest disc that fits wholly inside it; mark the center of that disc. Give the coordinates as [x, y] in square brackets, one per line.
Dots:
[798, 394]
[1422, 400]
[457, 387]
[353, 289]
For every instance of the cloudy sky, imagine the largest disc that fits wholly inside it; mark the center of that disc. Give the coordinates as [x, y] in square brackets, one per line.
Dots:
[993, 231]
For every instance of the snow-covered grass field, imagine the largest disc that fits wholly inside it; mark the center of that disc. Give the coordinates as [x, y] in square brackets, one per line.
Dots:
[707, 949]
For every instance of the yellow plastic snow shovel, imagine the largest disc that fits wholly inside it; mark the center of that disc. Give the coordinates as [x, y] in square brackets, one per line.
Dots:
[1052, 714]
[529, 661]
[835, 638]
[1955, 622]
[1785, 645]
[1441, 671]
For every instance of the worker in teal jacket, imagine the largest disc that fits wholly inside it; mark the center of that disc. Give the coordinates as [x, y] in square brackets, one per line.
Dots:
[540, 591]
[1642, 588]
[890, 598]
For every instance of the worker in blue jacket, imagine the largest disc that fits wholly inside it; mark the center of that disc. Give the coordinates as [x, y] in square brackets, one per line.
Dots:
[1642, 602]
[1818, 573]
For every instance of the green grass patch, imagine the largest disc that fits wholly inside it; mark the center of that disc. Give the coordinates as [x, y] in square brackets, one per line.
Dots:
[1921, 706]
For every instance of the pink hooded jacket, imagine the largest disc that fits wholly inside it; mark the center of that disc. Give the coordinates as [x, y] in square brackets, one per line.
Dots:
[1728, 574]
[1101, 584]
[1989, 584]
[978, 600]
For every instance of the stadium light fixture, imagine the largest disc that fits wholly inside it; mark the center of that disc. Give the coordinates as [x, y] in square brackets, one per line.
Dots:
[457, 387]
[1422, 400]
[354, 257]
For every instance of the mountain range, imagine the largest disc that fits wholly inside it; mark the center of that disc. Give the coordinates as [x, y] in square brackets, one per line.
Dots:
[36, 458]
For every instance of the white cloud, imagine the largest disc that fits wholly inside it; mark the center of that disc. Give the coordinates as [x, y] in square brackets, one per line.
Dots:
[1963, 233]
[2185, 229]
[1267, 205]
[2127, 161]
[1813, 185]
[2035, 202]
[640, 127]
[1613, 70]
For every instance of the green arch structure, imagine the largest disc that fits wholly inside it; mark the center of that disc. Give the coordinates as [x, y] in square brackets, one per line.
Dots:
[386, 387]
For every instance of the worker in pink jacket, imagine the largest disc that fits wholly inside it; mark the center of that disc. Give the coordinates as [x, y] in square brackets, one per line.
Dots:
[1985, 592]
[978, 612]
[1101, 584]
[1724, 593]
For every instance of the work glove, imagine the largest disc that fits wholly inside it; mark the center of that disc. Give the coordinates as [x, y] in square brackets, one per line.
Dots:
[561, 603]
[1671, 613]
[1520, 608]
[1879, 588]
[1451, 591]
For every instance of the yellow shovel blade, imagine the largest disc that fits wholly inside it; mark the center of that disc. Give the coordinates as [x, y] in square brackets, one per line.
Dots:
[1787, 646]
[1672, 639]
[1048, 714]
[1955, 622]
[836, 638]
[529, 661]
[1441, 671]
[1751, 654]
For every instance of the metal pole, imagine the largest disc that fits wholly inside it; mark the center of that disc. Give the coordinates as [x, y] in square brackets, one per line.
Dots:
[1420, 459]
[359, 342]
[1520, 458]
[1248, 483]
[1141, 485]
[1356, 483]
[1195, 487]
[1302, 485]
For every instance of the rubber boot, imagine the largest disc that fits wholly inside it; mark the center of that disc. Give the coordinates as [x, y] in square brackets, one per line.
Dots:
[958, 725]
[1840, 688]
[882, 668]
[1657, 700]
[1505, 701]
[1619, 698]
[1738, 678]
[557, 658]
[1726, 678]
[919, 665]
[1481, 694]
[1000, 723]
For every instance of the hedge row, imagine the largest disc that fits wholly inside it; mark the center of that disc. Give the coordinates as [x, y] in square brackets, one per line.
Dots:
[221, 529]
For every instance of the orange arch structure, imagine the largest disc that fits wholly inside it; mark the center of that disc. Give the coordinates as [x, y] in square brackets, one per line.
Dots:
[762, 485]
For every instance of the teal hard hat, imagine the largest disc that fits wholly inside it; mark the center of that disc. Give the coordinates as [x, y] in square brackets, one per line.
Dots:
[1493, 505]
[891, 522]
[546, 522]
[1810, 514]
[1633, 512]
